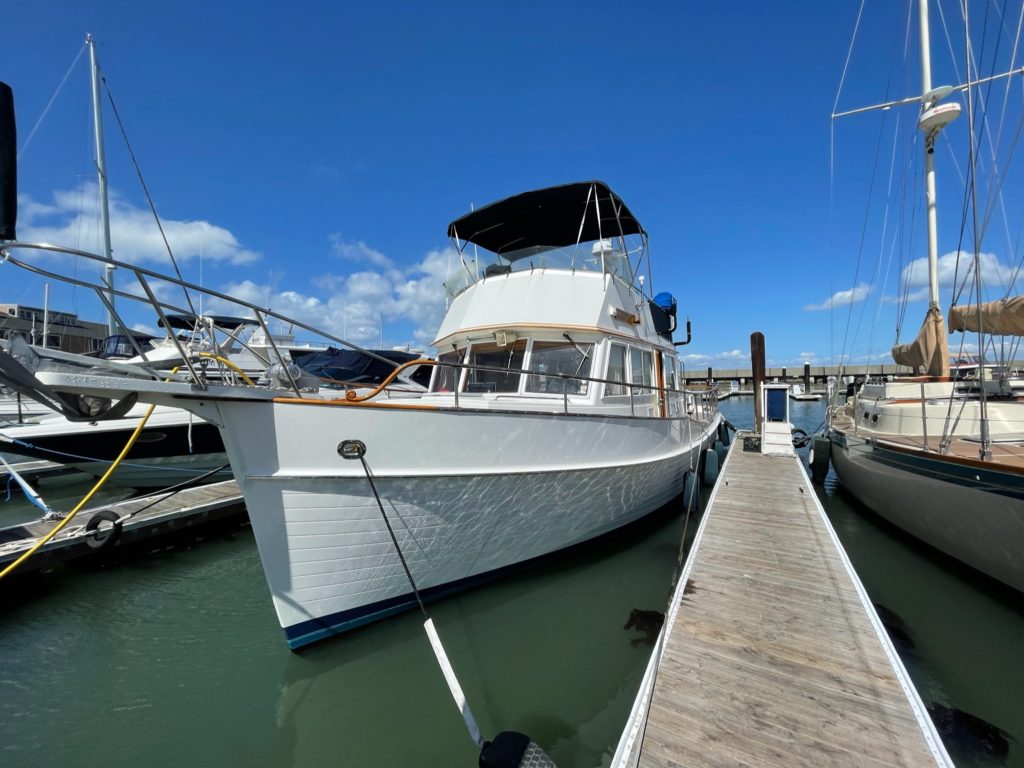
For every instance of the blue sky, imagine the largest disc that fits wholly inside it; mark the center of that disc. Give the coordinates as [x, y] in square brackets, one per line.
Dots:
[315, 153]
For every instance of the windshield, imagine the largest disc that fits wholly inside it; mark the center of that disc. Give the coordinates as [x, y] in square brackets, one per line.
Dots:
[620, 257]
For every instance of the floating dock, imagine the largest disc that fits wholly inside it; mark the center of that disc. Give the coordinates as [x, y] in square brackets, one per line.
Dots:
[34, 471]
[145, 518]
[771, 652]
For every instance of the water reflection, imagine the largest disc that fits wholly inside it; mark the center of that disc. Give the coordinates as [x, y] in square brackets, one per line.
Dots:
[543, 652]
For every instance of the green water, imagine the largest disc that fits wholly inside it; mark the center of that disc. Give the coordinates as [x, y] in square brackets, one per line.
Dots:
[175, 658]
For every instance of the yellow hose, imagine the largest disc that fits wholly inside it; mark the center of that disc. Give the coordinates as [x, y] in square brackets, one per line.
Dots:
[110, 470]
[86, 499]
[230, 365]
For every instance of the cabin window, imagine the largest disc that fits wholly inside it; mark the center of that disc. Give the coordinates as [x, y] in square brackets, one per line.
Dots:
[491, 355]
[550, 358]
[616, 370]
[641, 369]
[445, 377]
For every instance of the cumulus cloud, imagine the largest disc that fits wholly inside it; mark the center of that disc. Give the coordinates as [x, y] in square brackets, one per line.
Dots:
[915, 275]
[731, 358]
[842, 298]
[358, 251]
[355, 306]
[73, 220]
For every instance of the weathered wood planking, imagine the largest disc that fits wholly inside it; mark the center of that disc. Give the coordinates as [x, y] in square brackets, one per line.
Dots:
[153, 515]
[775, 656]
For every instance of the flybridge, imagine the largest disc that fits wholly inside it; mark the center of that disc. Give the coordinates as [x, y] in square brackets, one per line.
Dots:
[579, 226]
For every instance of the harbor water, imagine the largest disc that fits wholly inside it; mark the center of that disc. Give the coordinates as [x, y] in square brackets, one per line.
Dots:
[174, 657]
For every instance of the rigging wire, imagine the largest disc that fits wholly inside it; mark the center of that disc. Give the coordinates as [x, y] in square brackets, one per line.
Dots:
[911, 231]
[831, 181]
[985, 450]
[867, 212]
[882, 239]
[49, 104]
[145, 190]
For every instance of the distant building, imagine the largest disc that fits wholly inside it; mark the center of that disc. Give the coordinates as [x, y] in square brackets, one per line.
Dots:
[65, 332]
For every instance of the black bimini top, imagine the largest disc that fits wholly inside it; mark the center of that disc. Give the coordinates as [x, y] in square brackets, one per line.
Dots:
[548, 217]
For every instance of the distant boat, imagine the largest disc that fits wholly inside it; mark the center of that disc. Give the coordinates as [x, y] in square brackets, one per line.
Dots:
[354, 369]
[727, 389]
[175, 445]
[19, 410]
[797, 392]
[942, 455]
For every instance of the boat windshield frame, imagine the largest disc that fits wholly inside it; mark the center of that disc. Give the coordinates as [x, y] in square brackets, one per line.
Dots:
[620, 258]
[580, 226]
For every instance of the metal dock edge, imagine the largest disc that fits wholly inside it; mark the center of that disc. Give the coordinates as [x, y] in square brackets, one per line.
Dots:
[777, 656]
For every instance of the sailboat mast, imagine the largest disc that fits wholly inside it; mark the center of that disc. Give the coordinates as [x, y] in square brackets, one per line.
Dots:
[101, 172]
[929, 158]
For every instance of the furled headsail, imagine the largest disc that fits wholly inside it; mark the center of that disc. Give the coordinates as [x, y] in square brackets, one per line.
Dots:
[930, 350]
[999, 318]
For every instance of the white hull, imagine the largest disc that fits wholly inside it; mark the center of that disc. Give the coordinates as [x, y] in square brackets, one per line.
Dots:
[970, 514]
[468, 493]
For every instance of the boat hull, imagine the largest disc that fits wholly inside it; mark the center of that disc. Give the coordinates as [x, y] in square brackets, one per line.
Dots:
[173, 447]
[468, 495]
[971, 513]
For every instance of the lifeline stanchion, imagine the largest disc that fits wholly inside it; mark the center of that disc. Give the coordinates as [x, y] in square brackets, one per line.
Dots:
[508, 749]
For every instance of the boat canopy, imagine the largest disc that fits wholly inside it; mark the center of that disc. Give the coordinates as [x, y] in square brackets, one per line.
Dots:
[552, 217]
[1000, 318]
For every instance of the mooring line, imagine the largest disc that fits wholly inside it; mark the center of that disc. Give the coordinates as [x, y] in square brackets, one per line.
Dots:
[509, 749]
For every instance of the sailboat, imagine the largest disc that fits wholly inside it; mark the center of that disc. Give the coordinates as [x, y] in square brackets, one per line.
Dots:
[939, 457]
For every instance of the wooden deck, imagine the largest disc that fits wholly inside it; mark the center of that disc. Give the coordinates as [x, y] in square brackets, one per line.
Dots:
[772, 653]
[1007, 452]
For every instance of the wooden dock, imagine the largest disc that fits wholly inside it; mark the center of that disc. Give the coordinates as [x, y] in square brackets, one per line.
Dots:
[33, 471]
[146, 519]
[771, 652]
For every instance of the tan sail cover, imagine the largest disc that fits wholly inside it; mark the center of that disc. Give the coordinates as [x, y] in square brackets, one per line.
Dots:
[1000, 318]
[930, 350]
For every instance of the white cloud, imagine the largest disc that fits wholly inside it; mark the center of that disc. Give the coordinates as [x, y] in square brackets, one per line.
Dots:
[842, 298]
[728, 359]
[994, 274]
[354, 306]
[143, 328]
[73, 220]
[358, 251]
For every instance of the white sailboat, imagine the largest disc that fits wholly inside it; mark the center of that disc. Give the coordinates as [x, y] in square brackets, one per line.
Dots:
[938, 457]
[556, 413]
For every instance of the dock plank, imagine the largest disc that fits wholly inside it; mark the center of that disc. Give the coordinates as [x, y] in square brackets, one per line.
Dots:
[775, 656]
[145, 519]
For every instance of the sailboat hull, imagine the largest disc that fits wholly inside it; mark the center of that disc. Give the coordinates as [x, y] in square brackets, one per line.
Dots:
[972, 513]
[467, 493]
